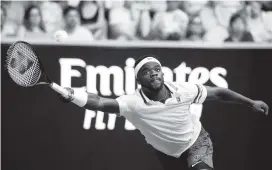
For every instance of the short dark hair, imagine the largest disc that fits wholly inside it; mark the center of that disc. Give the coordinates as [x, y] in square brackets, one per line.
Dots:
[138, 60]
[68, 9]
[27, 16]
[236, 16]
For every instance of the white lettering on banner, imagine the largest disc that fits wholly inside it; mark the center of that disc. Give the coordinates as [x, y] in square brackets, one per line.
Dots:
[129, 71]
[181, 72]
[111, 121]
[99, 123]
[66, 71]
[89, 115]
[216, 79]
[104, 72]
[199, 75]
[168, 74]
[123, 82]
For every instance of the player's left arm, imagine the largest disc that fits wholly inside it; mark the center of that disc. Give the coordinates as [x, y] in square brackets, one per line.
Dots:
[227, 95]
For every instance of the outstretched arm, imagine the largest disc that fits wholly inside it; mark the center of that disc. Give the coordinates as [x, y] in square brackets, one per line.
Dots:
[224, 94]
[94, 102]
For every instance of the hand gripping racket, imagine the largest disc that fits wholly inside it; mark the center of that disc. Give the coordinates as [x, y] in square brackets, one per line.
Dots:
[25, 68]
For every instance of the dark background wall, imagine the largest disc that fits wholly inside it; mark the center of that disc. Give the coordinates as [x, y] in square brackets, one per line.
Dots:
[41, 132]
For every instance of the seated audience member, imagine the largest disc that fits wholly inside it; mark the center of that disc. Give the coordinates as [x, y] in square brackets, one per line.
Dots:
[141, 11]
[7, 29]
[123, 23]
[225, 9]
[237, 30]
[73, 27]
[157, 6]
[170, 24]
[259, 22]
[15, 11]
[195, 30]
[193, 8]
[267, 5]
[215, 32]
[33, 26]
[92, 14]
[52, 15]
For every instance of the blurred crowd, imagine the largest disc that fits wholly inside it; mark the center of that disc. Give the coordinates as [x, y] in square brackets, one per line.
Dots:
[164, 20]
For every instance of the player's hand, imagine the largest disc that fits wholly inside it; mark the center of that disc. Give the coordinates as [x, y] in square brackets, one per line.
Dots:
[260, 106]
[71, 93]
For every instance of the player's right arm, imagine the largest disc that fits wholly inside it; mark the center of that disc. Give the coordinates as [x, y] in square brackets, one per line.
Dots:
[103, 104]
[121, 106]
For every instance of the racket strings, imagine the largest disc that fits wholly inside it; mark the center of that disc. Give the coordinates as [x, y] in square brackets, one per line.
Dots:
[23, 65]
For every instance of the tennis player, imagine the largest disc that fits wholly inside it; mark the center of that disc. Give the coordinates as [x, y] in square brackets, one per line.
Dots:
[160, 110]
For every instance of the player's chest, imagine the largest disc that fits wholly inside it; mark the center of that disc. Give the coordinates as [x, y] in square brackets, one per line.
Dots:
[174, 104]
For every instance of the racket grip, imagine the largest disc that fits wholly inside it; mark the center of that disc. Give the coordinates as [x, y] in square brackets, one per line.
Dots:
[60, 90]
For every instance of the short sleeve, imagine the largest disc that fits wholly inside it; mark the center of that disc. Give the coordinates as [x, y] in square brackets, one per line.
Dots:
[127, 104]
[195, 93]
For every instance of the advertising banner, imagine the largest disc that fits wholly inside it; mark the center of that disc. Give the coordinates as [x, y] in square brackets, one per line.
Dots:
[41, 132]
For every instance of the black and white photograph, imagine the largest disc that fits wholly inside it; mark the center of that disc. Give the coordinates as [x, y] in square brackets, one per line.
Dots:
[136, 85]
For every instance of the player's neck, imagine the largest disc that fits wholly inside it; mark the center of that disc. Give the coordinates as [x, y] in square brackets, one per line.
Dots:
[162, 94]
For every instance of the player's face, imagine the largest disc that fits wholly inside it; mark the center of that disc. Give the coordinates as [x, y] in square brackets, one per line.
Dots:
[150, 76]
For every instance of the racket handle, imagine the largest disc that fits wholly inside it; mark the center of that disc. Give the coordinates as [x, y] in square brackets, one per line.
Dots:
[60, 90]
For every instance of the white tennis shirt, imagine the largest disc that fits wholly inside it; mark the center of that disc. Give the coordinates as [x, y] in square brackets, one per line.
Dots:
[169, 127]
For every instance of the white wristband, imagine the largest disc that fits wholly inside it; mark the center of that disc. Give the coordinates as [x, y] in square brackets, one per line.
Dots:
[80, 98]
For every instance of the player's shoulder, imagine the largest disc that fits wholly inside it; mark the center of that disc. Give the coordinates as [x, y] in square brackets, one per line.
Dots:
[176, 86]
[172, 85]
[129, 97]
[180, 86]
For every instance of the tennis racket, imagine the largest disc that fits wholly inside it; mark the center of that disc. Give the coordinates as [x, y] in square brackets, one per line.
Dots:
[25, 68]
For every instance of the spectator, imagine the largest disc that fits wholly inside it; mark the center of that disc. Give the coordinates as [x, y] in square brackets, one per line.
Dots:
[130, 21]
[237, 30]
[214, 31]
[225, 9]
[52, 15]
[6, 29]
[146, 20]
[259, 22]
[195, 30]
[158, 6]
[3, 17]
[122, 24]
[92, 15]
[16, 11]
[33, 26]
[75, 31]
[208, 17]
[113, 4]
[266, 5]
[193, 8]
[170, 24]
[141, 11]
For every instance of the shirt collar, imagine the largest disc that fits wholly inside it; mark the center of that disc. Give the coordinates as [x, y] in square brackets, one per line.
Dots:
[170, 86]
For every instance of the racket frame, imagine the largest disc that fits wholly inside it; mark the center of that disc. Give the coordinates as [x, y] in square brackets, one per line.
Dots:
[43, 74]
